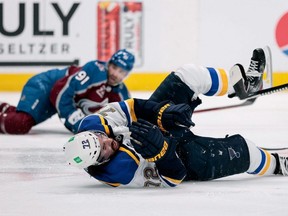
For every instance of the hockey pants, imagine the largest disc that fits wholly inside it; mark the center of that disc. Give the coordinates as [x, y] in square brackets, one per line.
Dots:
[208, 158]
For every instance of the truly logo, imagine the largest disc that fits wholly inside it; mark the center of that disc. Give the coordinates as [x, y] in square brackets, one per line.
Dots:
[119, 26]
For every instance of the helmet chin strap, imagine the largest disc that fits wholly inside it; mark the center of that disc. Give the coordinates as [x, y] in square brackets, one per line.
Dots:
[97, 163]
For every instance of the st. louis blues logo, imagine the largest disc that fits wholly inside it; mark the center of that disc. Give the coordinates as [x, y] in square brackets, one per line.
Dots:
[233, 153]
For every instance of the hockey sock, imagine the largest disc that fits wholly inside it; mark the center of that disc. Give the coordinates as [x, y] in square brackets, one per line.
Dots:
[16, 123]
[261, 161]
[204, 80]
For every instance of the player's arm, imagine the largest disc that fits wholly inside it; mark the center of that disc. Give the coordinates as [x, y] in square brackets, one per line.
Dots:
[165, 115]
[75, 83]
[151, 144]
[118, 116]
[112, 119]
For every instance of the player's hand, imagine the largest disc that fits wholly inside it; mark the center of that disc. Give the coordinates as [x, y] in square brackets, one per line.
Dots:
[148, 140]
[73, 120]
[171, 116]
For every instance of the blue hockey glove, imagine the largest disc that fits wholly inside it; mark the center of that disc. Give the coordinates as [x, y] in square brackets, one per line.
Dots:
[148, 140]
[171, 116]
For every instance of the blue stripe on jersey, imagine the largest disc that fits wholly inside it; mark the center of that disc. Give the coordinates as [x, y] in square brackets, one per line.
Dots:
[215, 82]
[260, 167]
[125, 110]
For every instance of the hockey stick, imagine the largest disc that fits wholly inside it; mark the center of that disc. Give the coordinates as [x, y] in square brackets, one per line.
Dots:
[275, 149]
[245, 103]
[275, 89]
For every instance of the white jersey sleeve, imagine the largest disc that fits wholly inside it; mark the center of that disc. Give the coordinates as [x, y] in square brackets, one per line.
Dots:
[114, 117]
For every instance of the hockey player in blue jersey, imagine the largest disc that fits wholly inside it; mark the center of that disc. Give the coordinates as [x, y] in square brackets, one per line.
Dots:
[142, 143]
[71, 92]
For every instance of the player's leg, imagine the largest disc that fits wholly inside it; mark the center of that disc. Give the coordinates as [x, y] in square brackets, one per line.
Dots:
[210, 158]
[14, 122]
[35, 98]
[262, 162]
[5, 107]
[265, 162]
[208, 81]
[172, 88]
[187, 82]
[33, 108]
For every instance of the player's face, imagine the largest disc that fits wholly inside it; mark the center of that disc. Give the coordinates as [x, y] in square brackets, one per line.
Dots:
[115, 74]
[108, 147]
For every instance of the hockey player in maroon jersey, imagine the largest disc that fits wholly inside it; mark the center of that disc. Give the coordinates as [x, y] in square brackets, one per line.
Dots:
[142, 143]
[72, 93]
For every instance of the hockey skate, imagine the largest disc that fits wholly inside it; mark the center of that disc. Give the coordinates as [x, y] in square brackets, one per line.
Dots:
[254, 74]
[281, 164]
[253, 77]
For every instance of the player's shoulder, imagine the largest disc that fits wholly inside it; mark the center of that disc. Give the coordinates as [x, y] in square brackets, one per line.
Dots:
[95, 66]
[94, 122]
[100, 65]
[120, 170]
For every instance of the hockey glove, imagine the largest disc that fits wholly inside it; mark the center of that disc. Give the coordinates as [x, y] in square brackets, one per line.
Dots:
[148, 141]
[73, 120]
[172, 116]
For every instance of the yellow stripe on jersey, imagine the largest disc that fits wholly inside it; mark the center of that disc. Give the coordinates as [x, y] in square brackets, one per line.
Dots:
[130, 103]
[224, 78]
[130, 153]
[107, 131]
[173, 181]
[267, 164]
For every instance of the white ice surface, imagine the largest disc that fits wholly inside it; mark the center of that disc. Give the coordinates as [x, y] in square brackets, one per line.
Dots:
[34, 180]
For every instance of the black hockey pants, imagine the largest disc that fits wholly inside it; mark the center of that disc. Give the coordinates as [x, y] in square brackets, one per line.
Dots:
[173, 89]
[208, 158]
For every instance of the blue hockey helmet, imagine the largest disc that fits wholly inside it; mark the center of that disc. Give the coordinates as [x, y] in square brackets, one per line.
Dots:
[123, 59]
